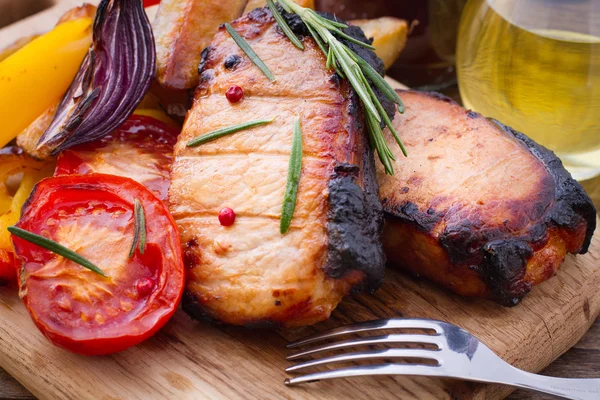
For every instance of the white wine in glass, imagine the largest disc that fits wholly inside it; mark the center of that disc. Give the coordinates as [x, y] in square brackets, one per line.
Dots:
[535, 65]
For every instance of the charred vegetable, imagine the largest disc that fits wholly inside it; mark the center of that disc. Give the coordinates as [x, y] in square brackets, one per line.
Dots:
[112, 79]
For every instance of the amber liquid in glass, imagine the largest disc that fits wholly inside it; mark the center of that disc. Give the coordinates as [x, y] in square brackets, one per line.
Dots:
[542, 82]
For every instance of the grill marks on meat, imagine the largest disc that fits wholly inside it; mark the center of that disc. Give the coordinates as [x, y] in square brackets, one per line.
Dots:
[249, 273]
[478, 207]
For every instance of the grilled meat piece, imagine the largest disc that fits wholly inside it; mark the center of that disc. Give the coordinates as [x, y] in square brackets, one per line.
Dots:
[477, 207]
[250, 273]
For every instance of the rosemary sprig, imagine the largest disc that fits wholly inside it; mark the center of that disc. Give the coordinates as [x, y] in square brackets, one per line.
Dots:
[139, 230]
[54, 247]
[207, 137]
[293, 179]
[284, 25]
[240, 41]
[142, 223]
[358, 72]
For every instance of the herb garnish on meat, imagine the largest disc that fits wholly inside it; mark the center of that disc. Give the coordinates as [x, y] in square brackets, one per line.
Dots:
[357, 71]
[293, 179]
[241, 42]
[226, 131]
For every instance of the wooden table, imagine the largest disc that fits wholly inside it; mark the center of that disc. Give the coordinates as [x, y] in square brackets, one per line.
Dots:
[581, 361]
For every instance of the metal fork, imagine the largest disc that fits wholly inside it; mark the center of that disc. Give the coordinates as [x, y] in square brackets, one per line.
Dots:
[458, 355]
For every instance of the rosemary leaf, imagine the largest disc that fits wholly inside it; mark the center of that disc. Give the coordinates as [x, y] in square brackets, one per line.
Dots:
[351, 73]
[243, 44]
[336, 24]
[358, 72]
[54, 247]
[284, 25]
[285, 7]
[293, 179]
[353, 40]
[380, 82]
[207, 137]
[139, 236]
[317, 39]
[326, 23]
[136, 231]
[386, 120]
[375, 132]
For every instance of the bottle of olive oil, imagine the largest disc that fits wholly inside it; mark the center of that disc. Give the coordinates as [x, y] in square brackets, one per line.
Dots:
[535, 65]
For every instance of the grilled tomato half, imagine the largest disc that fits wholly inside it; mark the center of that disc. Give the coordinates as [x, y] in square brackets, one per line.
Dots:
[140, 149]
[93, 215]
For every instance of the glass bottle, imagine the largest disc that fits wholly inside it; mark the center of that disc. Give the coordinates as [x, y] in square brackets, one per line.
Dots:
[535, 65]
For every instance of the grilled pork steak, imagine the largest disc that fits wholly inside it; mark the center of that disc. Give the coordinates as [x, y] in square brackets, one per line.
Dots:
[478, 207]
[249, 272]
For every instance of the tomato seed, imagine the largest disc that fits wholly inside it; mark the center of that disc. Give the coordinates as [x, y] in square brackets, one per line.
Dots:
[234, 94]
[144, 286]
[226, 216]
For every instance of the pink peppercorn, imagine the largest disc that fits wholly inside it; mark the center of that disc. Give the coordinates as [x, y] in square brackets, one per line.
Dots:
[234, 94]
[226, 216]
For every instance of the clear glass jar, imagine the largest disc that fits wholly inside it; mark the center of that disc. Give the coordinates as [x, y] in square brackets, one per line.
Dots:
[535, 65]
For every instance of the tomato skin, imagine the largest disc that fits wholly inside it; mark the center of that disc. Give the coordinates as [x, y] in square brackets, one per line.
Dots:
[140, 149]
[8, 267]
[62, 297]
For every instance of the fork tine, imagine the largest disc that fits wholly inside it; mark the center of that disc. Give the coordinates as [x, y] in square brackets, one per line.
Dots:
[369, 370]
[394, 323]
[369, 355]
[391, 339]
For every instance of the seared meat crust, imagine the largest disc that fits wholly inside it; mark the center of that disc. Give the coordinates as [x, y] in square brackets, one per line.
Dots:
[478, 207]
[249, 273]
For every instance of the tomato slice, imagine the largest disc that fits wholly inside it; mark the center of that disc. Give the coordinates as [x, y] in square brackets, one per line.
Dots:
[141, 149]
[8, 268]
[93, 215]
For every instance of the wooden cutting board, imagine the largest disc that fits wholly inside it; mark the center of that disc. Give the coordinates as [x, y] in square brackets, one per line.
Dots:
[193, 360]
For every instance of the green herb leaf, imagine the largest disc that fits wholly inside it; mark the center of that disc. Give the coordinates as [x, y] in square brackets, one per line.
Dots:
[353, 40]
[136, 230]
[284, 25]
[293, 179]
[241, 42]
[54, 247]
[207, 137]
[139, 231]
[358, 72]
[380, 82]
[387, 121]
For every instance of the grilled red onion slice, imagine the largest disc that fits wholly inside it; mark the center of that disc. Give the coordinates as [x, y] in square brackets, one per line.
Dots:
[112, 80]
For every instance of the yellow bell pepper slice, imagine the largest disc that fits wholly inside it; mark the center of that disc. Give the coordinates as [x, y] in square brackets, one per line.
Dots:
[25, 172]
[39, 74]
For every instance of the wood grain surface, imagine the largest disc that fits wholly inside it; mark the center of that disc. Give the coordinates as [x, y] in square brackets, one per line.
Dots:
[190, 359]
[582, 361]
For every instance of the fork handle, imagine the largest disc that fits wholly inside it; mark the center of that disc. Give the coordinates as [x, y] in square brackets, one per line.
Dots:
[580, 389]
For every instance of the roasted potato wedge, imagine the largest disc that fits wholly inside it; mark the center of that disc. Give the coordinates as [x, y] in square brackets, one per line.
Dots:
[252, 4]
[182, 29]
[389, 36]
